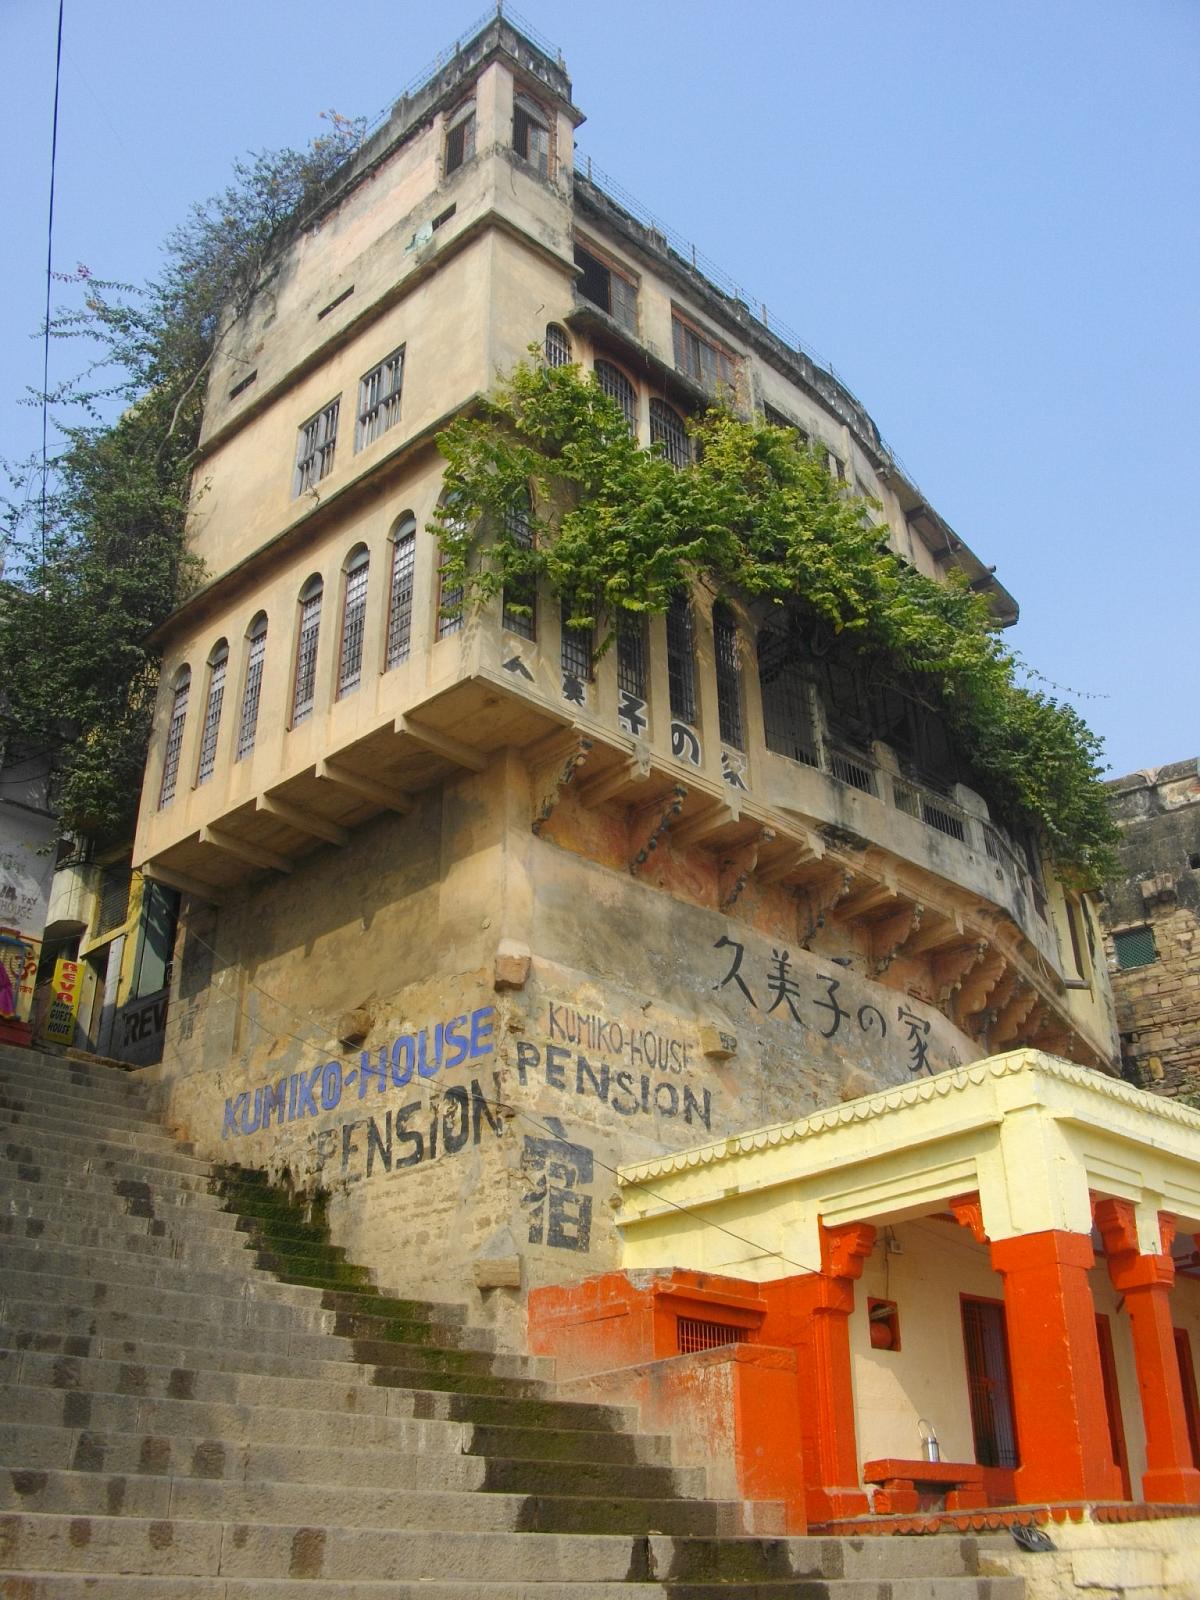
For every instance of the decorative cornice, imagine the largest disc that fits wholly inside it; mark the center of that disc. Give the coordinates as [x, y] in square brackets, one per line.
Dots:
[942, 1085]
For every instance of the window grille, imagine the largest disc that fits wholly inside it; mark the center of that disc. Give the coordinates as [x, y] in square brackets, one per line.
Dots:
[702, 362]
[112, 901]
[681, 657]
[1134, 948]
[694, 1333]
[304, 689]
[557, 346]
[846, 769]
[531, 136]
[778, 420]
[607, 289]
[989, 1385]
[354, 617]
[632, 655]
[170, 773]
[992, 844]
[379, 399]
[943, 819]
[729, 676]
[576, 647]
[667, 429]
[252, 693]
[400, 601]
[315, 447]
[449, 600]
[218, 662]
[618, 387]
[787, 713]
[907, 798]
[460, 137]
[519, 610]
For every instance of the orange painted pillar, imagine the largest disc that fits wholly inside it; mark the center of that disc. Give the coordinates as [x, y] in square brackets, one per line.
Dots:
[1058, 1387]
[812, 1313]
[1146, 1281]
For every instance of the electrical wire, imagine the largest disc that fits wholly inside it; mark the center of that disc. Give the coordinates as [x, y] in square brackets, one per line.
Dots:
[50, 277]
[506, 1107]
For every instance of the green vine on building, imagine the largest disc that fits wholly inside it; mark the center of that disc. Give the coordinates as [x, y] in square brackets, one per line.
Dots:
[754, 515]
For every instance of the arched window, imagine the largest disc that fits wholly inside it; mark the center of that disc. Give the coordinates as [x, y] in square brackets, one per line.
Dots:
[531, 134]
[681, 657]
[519, 612]
[667, 429]
[618, 387]
[304, 687]
[218, 662]
[354, 618]
[400, 597]
[256, 650]
[179, 705]
[727, 654]
[786, 698]
[460, 136]
[557, 346]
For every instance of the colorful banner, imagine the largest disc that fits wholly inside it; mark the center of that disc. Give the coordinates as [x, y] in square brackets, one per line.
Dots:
[18, 969]
[59, 1026]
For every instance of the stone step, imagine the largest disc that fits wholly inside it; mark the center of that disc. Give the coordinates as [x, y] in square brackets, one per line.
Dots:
[340, 1555]
[22, 1100]
[138, 1236]
[406, 1503]
[117, 1090]
[100, 1200]
[51, 1150]
[89, 1176]
[36, 1122]
[32, 1315]
[70, 1586]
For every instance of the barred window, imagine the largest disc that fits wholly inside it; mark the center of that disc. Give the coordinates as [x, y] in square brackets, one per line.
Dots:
[315, 447]
[681, 657]
[531, 134]
[379, 399]
[632, 654]
[218, 662]
[519, 612]
[449, 603]
[667, 428]
[354, 617]
[400, 601]
[112, 901]
[1134, 947]
[607, 289]
[557, 346]
[787, 710]
[179, 704]
[618, 387]
[460, 137]
[252, 692]
[305, 685]
[576, 648]
[727, 651]
[703, 362]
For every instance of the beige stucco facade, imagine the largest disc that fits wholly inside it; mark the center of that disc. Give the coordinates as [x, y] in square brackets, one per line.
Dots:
[618, 932]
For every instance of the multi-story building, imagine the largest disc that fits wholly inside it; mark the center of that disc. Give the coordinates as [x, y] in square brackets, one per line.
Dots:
[472, 914]
[1151, 916]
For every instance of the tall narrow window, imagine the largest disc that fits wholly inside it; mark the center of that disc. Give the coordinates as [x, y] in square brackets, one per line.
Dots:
[179, 704]
[576, 648]
[632, 654]
[379, 399]
[557, 346]
[519, 614]
[681, 657]
[989, 1384]
[252, 692]
[727, 651]
[607, 289]
[449, 603]
[400, 600]
[460, 137]
[702, 361]
[315, 447]
[787, 714]
[618, 387]
[354, 619]
[531, 134]
[667, 429]
[218, 662]
[305, 686]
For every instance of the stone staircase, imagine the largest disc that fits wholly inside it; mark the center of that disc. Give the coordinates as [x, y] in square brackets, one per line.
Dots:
[200, 1399]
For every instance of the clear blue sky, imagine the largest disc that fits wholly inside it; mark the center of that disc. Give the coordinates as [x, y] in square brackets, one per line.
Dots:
[984, 213]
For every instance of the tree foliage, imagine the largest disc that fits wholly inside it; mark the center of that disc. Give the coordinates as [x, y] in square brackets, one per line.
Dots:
[758, 516]
[98, 563]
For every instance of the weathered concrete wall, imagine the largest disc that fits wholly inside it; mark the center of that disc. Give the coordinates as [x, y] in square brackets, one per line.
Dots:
[473, 1130]
[1158, 1005]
